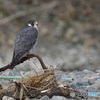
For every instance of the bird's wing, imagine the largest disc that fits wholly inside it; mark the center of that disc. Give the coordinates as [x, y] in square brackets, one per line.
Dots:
[24, 41]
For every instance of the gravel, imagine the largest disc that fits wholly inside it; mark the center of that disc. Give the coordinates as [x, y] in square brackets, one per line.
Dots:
[84, 81]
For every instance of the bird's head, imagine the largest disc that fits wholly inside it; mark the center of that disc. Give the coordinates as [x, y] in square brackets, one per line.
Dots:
[32, 23]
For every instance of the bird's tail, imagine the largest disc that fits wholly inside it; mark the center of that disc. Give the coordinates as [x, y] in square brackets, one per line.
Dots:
[15, 60]
[12, 65]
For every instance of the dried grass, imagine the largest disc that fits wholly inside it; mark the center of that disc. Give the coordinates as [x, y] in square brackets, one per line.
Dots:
[43, 81]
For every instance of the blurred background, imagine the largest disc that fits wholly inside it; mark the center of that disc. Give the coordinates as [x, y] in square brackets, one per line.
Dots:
[69, 32]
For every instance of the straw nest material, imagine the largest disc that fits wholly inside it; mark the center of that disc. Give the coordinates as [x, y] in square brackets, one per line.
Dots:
[43, 81]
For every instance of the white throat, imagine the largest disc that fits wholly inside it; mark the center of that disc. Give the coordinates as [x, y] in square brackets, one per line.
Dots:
[35, 26]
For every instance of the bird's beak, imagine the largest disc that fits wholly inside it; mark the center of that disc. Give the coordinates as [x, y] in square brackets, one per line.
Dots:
[35, 23]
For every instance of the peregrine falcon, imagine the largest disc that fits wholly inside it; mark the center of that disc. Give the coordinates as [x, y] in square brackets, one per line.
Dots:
[25, 41]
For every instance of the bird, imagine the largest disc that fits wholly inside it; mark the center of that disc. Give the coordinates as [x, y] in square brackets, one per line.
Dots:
[25, 42]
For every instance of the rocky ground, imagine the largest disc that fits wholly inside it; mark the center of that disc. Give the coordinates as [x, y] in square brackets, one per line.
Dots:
[85, 81]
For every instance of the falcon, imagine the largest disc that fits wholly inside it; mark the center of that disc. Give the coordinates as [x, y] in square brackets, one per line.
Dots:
[25, 42]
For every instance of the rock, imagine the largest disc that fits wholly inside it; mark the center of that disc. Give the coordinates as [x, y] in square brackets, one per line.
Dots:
[97, 71]
[58, 75]
[82, 84]
[31, 99]
[63, 79]
[78, 98]
[45, 98]
[59, 98]
[74, 86]
[34, 99]
[92, 81]
[87, 71]
[42, 98]
[92, 89]
[7, 98]
[95, 86]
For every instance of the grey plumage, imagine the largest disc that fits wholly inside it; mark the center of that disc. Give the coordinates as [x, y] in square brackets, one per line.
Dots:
[25, 40]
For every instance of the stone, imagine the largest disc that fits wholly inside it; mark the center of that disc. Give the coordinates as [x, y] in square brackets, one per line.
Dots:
[42, 98]
[92, 81]
[82, 83]
[87, 71]
[95, 86]
[7, 98]
[45, 98]
[74, 86]
[97, 71]
[59, 98]
[34, 99]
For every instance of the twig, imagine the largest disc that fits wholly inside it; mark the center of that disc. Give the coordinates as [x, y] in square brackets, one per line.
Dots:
[24, 59]
[21, 92]
[29, 11]
[49, 83]
[34, 88]
[36, 65]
